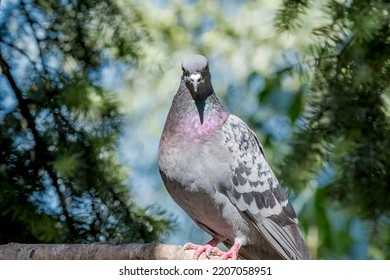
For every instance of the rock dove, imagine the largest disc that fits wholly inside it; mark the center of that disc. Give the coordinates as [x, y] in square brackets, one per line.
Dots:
[214, 167]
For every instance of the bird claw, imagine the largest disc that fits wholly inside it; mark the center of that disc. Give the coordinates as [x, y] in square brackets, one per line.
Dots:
[228, 255]
[207, 249]
[232, 253]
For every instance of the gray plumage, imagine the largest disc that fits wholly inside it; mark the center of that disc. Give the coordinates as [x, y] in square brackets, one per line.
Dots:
[214, 167]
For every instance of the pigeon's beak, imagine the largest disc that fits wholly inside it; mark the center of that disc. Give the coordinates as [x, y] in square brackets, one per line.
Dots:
[195, 79]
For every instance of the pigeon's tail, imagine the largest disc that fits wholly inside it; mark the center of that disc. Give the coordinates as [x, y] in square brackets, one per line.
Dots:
[287, 240]
[279, 235]
[299, 242]
[280, 251]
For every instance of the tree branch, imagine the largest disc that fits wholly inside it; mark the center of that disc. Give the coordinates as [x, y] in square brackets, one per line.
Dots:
[96, 251]
[40, 147]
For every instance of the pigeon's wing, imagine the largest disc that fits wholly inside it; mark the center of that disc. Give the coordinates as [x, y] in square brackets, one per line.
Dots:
[255, 191]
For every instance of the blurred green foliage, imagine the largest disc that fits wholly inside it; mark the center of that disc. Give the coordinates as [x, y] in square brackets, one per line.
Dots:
[60, 180]
[346, 123]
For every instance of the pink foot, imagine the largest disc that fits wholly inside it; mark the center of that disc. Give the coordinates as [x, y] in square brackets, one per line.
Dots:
[232, 253]
[208, 248]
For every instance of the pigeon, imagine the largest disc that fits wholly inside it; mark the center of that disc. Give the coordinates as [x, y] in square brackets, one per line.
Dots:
[214, 167]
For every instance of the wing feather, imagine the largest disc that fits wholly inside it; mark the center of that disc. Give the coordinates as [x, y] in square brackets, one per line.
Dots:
[256, 192]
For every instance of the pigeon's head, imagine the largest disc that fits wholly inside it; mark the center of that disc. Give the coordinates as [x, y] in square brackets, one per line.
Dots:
[196, 75]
